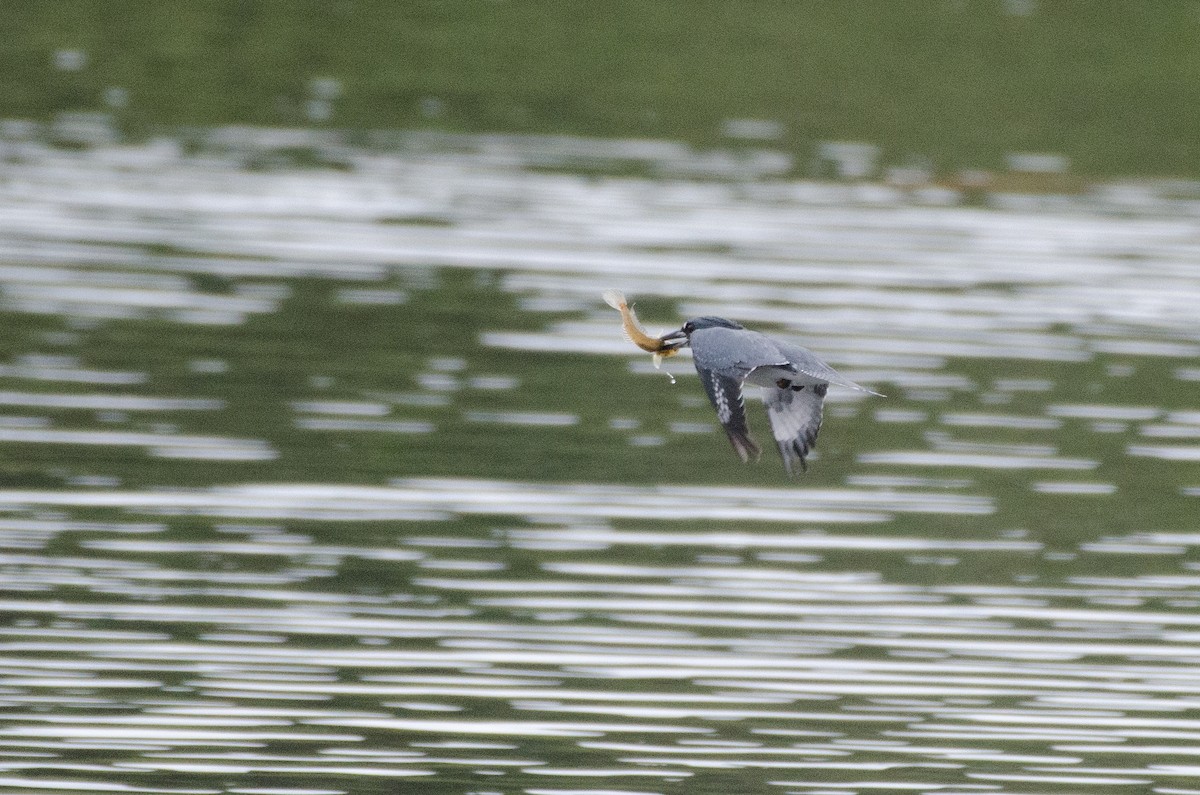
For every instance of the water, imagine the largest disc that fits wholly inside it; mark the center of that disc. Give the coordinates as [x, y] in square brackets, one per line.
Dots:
[332, 481]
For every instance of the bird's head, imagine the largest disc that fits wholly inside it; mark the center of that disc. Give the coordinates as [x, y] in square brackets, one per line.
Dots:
[682, 337]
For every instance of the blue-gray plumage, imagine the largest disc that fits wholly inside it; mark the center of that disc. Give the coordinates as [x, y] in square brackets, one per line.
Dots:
[793, 379]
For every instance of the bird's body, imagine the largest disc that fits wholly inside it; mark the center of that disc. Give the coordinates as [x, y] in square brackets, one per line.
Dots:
[793, 378]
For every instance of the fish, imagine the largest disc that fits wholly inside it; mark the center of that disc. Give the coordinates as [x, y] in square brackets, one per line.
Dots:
[634, 331]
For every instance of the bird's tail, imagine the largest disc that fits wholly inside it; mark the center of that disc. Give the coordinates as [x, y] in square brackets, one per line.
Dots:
[745, 447]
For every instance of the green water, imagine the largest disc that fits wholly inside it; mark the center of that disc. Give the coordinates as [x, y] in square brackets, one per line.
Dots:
[344, 480]
[958, 83]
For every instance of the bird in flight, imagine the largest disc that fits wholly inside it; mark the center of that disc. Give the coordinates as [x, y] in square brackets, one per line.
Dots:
[727, 356]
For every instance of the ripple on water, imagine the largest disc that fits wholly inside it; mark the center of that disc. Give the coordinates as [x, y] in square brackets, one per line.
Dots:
[430, 498]
[949, 619]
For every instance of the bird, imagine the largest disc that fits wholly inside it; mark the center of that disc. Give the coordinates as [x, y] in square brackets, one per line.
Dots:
[795, 381]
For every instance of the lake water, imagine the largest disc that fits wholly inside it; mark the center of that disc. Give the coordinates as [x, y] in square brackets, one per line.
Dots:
[340, 478]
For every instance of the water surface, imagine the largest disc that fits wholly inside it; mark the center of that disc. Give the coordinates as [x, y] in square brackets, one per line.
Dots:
[331, 481]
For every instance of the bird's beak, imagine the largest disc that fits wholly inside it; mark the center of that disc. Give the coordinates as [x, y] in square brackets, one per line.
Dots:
[674, 340]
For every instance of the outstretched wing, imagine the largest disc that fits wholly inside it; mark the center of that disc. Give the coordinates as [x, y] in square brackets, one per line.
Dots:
[725, 392]
[802, 360]
[795, 415]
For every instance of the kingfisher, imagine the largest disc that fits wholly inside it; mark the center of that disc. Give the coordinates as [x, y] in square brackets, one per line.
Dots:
[727, 355]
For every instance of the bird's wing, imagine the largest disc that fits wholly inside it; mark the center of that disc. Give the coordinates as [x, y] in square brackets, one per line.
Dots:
[725, 392]
[795, 415]
[724, 358]
[734, 352]
[805, 361]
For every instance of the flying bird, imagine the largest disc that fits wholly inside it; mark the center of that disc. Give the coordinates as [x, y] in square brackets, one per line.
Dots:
[727, 356]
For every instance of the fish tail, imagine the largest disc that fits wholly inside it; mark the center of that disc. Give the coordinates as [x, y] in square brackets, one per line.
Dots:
[615, 299]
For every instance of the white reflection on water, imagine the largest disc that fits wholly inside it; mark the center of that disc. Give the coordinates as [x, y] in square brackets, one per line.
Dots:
[109, 402]
[778, 667]
[1166, 452]
[357, 425]
[928, 458]
[342, 407]
[65, 369]
[91, 301]
[162, 445]
[427, 498]
[1059, 487]
[958, 613]
[521, 418]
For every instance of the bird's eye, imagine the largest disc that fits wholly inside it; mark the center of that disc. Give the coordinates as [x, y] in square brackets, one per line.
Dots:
[688, 327]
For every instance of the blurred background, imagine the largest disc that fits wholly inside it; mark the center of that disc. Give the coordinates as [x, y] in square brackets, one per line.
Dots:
[325, 469]
[947, 85]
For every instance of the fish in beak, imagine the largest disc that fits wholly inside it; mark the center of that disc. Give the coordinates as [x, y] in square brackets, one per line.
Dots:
[673, 341]
[657, 346]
